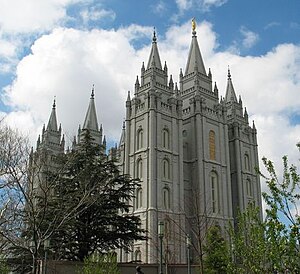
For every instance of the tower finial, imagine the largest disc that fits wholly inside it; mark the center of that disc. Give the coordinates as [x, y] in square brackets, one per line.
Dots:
[194, 26]
[92, 94]
[154, 35]
[54, 102]
[229, 75]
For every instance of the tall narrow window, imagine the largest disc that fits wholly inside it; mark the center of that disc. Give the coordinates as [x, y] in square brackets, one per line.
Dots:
[165, 139]
[214, 192]
[139, 169]
[166, 169]
[139, 139]
[212, 145]
[249, 188]
[247, 162]
[139, 198]
[166, 198]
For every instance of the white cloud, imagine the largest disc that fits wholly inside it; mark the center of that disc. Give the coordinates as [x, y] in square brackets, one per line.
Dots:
[184, 4]
[18, 16]
[209, 3]
[272, 25]
[250, 38]
[203, 5]
[94, 14]
[159, 7]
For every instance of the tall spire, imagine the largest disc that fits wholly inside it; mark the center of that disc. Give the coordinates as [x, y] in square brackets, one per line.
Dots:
[90, 121]
[154, 59]
[230, 93]
[195, 61]
[52, 124]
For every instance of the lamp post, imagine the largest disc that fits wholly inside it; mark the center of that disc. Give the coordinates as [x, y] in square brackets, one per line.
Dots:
[161, 236]
[46, 248]
[188, 246]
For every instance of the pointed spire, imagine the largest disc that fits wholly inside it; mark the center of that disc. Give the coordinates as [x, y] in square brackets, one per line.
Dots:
[216, 91]
[171, 83]
[166, 67]
[154, 59]
[230, 93]
[246, 113]
[195, 57]
[122, 138]
[209, 73]
[128, 96]
[90, 121]
[52, 124]
[62, 143]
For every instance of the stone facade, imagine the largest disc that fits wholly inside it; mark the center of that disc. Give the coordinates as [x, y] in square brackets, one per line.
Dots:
[195, 154]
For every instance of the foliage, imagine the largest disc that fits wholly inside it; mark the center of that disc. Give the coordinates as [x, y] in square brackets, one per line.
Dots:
[282, 216]
[249, 248]
[103, 221]
[216, 259]
[105, 263]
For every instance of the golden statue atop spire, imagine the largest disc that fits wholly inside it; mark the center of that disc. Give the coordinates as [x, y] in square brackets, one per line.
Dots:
[193, 24]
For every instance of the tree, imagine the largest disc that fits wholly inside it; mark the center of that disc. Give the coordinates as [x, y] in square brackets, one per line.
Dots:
[249, 249]
[33, 210]
[216, 259]
[282, 216]
[25, 202]
[271, 245]
[102, 222]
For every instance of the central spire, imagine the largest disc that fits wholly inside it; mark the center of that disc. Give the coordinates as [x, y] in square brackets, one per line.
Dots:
[154, 59]
[195, 61]
[230, 93]
[90, 121]
[52, 124]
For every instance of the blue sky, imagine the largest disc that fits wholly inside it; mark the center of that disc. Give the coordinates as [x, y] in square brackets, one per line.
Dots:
[62, 47]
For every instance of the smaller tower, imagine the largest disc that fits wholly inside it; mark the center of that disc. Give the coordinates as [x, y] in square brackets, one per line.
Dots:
[243, 153]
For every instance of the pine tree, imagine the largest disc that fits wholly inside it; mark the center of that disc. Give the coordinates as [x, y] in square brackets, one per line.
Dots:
[103, 221]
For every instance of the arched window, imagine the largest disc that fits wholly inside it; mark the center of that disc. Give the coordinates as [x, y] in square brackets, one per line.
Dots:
[249, 188]
[246, 162]
[165, 139]
[139, 198]
[166, 169]
[138, 255]
[214, 192]
[166, 198]
[212, 145]
[139, 139]
[139, 169]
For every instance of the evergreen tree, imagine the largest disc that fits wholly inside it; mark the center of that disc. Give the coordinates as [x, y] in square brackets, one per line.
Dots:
[103, 221]
[216, 252]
